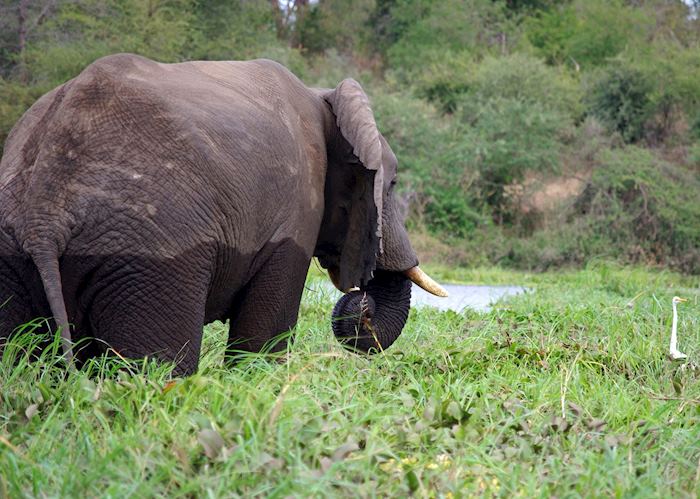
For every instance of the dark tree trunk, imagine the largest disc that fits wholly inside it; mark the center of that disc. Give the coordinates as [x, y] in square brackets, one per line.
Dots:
[22, 38]
[22, 25]
[372, 319]
[279, 19]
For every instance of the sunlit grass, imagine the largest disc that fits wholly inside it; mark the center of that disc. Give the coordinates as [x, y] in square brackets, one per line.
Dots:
[565, 390]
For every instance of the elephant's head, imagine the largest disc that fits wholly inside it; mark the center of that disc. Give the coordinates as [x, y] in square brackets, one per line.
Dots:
[363, 242]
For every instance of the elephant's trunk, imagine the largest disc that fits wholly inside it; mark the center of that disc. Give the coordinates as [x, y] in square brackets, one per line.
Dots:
[373, 317]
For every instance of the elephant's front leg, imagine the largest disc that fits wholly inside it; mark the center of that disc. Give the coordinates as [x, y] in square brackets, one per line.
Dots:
[266, 309]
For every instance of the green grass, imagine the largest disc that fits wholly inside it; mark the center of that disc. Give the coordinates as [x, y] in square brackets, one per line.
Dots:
[565, 390]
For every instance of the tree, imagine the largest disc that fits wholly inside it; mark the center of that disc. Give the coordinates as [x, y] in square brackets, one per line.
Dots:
[289, 15]
[339, 24]
[19, 21]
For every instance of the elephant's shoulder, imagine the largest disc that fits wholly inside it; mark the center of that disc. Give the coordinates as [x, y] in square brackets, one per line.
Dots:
[240, 72]
[275, 68]
[121, 63]
[270, 65]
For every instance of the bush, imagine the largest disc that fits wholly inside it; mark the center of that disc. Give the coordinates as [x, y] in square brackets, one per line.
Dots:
[673, 71]
[517, 114]
[512, 114]
[636, 208]
[587, 33]
[509, 137]
[426, 28]
[646, 209]
[415, 130]
[695, 127]
[527, 79]
[433, 164]
[694, 155]
[450, 75]
[335, 24]
[88, 30]
[226, 30]
[332, 67]
[477, 113]
[446, 78]
[619, 96]
[17, 98]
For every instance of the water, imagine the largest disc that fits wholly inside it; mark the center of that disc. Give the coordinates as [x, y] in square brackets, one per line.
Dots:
[479, 298]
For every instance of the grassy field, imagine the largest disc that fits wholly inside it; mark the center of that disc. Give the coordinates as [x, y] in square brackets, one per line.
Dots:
[565, 390]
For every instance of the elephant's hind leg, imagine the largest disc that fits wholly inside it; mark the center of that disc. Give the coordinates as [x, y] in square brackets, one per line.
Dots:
[151, 308]
[266, 309]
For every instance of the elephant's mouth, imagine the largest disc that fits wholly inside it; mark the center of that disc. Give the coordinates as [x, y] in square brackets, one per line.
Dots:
[415, 274]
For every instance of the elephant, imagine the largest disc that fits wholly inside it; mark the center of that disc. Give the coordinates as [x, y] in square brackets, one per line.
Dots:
[142, 200]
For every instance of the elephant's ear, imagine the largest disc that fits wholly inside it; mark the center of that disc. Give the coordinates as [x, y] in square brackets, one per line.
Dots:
[363, 241]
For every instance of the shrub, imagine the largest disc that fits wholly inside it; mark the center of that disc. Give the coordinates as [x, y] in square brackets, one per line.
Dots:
[445, 78]
[517, 114]
[433, 162]
[509, 137]
[673, 71]
[527, 79]
[647, 208]
[450, 75]
[619, 96]
[331, 67]
[88, 30]
[335, 24]
[635, 209]
[695, 127]
[426, 28]
[17, 98]
[511, 115]
[230, 30]
[694, 155]
[587, 33]
[416, 131]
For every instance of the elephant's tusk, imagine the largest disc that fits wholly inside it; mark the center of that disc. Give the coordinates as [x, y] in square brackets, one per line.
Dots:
[423, 280]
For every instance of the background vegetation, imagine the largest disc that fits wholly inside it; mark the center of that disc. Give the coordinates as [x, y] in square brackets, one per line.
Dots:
[531, 133]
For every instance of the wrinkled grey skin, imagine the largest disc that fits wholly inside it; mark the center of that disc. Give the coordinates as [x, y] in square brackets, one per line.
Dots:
[141, 200]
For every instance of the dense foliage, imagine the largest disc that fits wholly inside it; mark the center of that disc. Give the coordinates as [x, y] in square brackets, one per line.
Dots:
[492, 106]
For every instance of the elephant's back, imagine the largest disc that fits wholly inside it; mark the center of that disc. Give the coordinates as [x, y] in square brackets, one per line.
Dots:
[164, 148]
